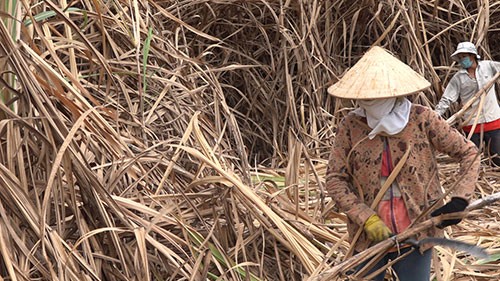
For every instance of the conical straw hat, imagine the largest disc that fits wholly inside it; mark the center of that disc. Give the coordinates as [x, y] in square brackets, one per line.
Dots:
[378, 75]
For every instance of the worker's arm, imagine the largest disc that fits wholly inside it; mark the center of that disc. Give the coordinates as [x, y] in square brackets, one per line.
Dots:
[339, 183]
[451, 94]
[448, 140]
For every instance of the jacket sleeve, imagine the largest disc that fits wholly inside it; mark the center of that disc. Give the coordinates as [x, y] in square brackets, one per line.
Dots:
[448, 140]
[450, 95]
[339, 182]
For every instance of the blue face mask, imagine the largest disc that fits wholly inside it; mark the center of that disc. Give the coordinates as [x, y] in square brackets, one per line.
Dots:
[466, 62]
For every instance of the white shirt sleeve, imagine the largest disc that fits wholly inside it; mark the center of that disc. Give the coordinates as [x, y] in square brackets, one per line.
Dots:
[450, 95]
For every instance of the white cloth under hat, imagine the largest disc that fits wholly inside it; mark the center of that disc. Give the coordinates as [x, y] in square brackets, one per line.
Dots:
[389, 116]
[378, 75]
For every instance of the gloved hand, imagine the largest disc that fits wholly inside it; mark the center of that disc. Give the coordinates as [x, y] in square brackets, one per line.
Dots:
[376, 230]
[456, 204]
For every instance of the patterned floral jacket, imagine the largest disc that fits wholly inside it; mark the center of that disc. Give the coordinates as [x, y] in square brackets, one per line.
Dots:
[353, 175]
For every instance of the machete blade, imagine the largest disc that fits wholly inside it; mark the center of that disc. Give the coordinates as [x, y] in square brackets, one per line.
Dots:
[453, 244]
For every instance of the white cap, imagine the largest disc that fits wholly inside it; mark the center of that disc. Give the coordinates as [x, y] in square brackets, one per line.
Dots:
[465, 47]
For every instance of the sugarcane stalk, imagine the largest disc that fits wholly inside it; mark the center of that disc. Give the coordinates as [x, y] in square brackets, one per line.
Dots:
[485, 201]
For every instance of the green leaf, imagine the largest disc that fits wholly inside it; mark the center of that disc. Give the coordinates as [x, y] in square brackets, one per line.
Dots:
[48, 14]
[145, 55]
[198, 240]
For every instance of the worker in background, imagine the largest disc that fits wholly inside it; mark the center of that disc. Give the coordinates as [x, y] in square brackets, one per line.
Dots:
[472, 76]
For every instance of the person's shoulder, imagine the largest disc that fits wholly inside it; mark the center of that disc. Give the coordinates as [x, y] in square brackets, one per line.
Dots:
[422, 110]
[487, 65]
[419, 107]
[487, 62]
[352, 115]
[460, 72]
[352, 119]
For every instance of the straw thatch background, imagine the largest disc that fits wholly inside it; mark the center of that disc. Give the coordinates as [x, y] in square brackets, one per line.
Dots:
[187, 140]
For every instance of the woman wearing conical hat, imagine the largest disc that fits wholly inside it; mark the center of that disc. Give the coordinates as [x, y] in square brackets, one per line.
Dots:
[387, 135]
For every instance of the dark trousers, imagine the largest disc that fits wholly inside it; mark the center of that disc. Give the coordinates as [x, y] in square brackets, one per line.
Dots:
[491, 142]
[414, 267]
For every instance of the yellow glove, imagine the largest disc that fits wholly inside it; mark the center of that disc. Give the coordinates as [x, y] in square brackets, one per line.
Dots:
[376, 230]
